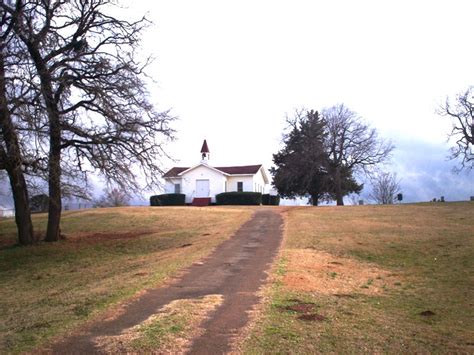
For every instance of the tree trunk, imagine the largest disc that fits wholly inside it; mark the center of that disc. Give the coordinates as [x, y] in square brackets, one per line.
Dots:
[13, 167]
[338, 187]
[22, 207]
[54, 163]
[54, 166]
[314, 200]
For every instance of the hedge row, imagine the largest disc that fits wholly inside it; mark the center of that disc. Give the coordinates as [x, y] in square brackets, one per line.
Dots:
[271, 200]
[239, 198]
[167, 200]
[225, 198]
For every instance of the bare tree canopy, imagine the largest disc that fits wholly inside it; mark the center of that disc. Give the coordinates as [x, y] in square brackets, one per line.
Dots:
[113, 197]
[90, 109]
[461, 112]
[351, 145]
[385, 188]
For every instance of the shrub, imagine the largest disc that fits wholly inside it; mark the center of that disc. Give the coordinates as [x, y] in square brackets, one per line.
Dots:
[275, 200]
[239, 198]
[272, 200]
[167, 200]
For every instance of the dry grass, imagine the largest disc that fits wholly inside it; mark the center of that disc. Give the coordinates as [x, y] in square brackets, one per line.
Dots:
[169, 331]
[321, 272]
[396, 279]
[108, 256]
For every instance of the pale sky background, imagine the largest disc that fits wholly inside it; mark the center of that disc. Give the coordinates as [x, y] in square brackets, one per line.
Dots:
[232, 70]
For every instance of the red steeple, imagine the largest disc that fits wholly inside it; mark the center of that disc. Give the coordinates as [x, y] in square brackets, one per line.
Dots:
[204, 148]
[205, 151]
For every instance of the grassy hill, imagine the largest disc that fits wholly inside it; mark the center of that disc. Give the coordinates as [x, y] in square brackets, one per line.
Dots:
[396, 279]
[348, 279]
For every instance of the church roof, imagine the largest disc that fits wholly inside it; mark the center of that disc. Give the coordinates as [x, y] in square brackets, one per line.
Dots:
[231, 170]
[235, 170]
[204, 148]
[174, 171]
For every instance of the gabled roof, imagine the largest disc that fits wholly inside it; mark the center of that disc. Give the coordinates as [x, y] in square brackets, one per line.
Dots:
[173, 172]
[227, 170]
[198, 165]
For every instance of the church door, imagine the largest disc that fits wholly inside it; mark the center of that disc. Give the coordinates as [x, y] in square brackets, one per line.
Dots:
[202, 188]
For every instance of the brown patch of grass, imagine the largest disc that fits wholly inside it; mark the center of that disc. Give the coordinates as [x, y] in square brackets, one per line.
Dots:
[169, 331]
[300, 307]
[312, 317]
[100, 237]
[427, 313]
[321, 272]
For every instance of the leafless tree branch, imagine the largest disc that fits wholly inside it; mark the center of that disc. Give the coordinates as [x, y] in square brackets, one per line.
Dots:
[461, 112]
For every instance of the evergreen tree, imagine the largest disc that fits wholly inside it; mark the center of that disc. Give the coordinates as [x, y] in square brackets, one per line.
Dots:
[301, 166]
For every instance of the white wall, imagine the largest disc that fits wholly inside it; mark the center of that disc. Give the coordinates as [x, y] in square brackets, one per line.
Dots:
[259, 182]
[246, 179]
[216, 182]
[169, 185]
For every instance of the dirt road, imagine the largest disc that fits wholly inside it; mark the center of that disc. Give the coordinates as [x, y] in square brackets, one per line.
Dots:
[235, 270]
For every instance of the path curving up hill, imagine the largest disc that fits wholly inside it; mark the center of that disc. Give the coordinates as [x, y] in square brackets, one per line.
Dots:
[235, 270]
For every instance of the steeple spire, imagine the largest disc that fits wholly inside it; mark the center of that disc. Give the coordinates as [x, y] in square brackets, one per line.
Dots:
[205, 151]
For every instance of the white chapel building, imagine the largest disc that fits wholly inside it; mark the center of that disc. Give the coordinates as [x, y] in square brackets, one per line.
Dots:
[204, 182]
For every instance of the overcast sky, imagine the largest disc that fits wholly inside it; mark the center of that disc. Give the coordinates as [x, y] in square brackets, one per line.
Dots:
[232, 70]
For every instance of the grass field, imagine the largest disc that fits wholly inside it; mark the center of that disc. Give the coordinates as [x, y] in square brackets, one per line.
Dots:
[108, 256]
[396, 279]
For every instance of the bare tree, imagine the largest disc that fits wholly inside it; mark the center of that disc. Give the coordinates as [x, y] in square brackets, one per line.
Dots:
[113, 197]
[461, 112]
[352, 145]
[385, 188]
[11, 158]
[93, 112]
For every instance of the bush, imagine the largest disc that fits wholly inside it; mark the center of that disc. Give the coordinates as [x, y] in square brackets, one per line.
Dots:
[275, 200]
[239, 198]
[168, 200]
[272, 200]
